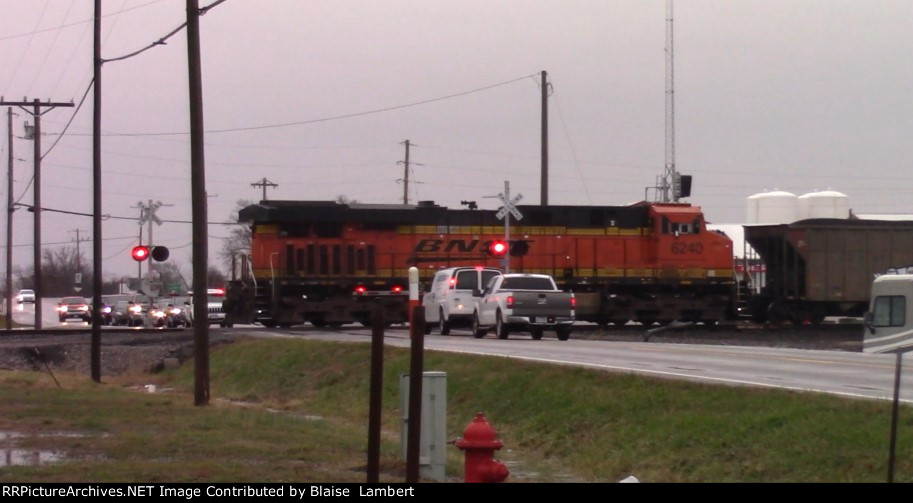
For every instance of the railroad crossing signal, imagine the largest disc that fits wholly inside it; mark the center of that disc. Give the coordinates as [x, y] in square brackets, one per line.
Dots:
[142, 252]
[510, 207]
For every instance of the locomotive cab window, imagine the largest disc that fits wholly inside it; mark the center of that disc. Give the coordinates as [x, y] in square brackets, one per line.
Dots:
[890, 311]
[679, 228]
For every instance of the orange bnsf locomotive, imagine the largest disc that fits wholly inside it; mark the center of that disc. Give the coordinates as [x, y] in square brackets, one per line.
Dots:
[329, 263]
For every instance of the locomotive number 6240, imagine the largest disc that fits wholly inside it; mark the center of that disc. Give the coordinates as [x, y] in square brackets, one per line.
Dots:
[686, 248]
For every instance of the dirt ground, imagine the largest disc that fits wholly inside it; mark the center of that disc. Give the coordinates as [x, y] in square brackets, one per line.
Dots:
[121, 353]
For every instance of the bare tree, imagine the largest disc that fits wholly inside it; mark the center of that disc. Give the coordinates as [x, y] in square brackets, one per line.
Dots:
[239, 235]
[170, 275]
[215, 278]
[58, 273]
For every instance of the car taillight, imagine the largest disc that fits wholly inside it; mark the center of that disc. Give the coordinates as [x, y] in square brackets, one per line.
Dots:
[397, 289]
[452, 283]
[360, 289]
[510, 301]
[573, 301]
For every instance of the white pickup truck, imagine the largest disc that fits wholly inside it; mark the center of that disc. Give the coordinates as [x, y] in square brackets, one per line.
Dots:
[512, 302]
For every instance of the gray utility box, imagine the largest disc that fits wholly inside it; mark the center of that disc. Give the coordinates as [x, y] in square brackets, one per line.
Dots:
[433, 445]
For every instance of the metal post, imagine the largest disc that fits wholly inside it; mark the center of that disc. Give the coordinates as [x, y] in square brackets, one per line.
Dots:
[894, 414]
[376, 395]
[416, 367]
[507, 228]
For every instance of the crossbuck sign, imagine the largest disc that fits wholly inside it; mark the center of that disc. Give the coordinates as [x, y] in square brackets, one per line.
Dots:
[510, 206]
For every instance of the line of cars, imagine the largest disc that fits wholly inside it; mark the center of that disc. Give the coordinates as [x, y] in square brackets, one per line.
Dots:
[136, 310]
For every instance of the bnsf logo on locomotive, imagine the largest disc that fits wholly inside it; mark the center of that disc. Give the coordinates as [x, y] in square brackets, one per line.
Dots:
[517, 247]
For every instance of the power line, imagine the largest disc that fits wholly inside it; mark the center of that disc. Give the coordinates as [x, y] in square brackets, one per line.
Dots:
[76, 23]
[161, 41]
[113, 217]
[335, 117]
[60, 135]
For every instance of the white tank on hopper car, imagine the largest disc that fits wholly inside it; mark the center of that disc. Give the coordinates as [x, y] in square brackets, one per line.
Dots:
[824, 204]
[774, 207]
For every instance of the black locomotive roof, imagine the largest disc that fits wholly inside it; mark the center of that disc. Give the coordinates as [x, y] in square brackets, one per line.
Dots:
[430, 214]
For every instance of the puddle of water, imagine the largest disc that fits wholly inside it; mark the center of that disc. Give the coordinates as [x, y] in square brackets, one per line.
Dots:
[28, 457]
[22, 457]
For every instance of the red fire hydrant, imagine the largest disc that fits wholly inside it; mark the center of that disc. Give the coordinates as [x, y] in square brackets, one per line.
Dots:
[479, 444]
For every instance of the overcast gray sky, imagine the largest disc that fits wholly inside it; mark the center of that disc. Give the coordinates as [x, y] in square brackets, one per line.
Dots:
[797, 95]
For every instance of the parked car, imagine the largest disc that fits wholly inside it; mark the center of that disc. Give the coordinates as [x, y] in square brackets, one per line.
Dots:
[74, 307]
[26, 296]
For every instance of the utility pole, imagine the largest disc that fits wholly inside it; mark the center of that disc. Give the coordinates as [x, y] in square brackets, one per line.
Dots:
[78, 254]
[406, 174]
[543, 198]
[9, 225]
[95, 346]
[198, 207]
[36, 207]
[264, 183]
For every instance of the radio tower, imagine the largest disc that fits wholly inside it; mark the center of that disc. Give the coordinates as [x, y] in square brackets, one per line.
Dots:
[669, 174]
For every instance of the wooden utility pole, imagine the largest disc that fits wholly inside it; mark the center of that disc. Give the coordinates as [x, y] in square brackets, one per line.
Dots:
[543, 198]
[198, 204]
[406, 175]
[36, 207]
[9, 227]
[95, 347]
[264, 183]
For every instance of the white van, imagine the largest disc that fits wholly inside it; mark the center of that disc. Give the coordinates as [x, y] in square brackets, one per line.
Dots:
[889, 324]
[449, 299]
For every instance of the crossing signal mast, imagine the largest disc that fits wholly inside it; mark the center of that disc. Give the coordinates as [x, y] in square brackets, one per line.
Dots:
[672, 185]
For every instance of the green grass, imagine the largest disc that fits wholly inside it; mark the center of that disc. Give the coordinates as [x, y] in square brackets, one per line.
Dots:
[557, 423]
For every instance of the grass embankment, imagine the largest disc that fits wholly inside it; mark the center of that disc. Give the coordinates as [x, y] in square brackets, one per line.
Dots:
[557, 423]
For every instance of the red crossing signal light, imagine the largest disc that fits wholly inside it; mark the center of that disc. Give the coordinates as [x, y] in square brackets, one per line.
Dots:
[140, 253]
[498, 248]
